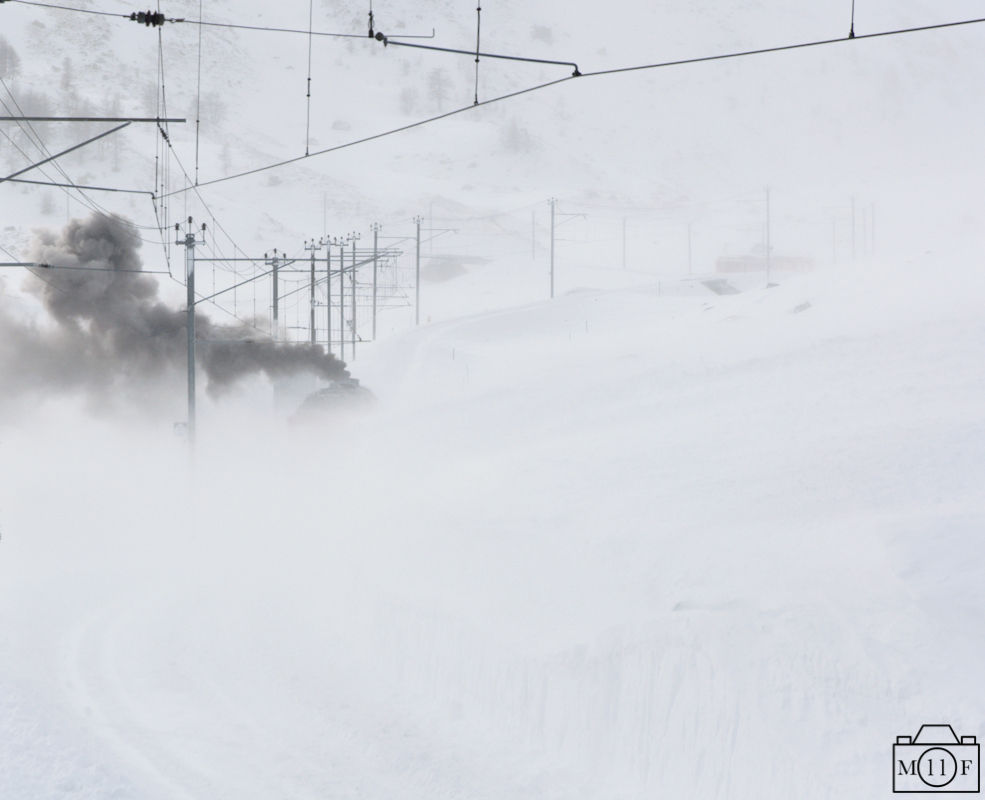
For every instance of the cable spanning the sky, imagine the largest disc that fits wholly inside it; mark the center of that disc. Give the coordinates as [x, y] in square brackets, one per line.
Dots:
[591, 74]
[852, 36]
[262, 28]
[195, 185]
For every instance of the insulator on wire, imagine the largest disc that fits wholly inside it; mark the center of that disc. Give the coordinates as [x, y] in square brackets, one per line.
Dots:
[151, 19]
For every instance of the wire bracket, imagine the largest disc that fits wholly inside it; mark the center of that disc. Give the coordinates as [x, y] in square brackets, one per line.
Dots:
[381, 38]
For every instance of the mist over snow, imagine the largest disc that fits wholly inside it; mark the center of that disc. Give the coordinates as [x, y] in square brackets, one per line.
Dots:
[685, 529]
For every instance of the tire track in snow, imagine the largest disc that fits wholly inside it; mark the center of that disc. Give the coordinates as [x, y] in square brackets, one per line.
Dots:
[91, 683]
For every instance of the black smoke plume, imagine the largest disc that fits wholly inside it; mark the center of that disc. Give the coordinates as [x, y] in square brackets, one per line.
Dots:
[108, 332]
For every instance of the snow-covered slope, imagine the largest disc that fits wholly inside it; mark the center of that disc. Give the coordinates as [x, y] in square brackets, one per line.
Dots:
[623, 544]
[638, 541]
[891, 121]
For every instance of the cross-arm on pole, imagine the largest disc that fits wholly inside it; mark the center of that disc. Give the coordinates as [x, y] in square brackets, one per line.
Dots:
[65, 152]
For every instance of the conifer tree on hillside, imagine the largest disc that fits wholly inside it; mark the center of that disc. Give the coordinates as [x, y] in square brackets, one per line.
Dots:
[437, 86]
[67, 80]
[10, 62]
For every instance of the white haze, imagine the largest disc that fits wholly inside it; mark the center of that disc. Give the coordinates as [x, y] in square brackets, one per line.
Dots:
[638, 541]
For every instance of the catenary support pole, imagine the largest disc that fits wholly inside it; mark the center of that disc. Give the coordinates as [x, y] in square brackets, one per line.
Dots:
[354, 299]
[342, 300]
[276, 267]
[768, 234]
[328, 294]
[853, 227]
[553, 202]
[311, 312]
[689, 248]
[190, 284]
[417, 276]
[189, 243]
[873, 218]
[865, 233]
[376, 232]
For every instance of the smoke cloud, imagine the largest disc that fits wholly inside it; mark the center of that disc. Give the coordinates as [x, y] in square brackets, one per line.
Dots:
[108, 333]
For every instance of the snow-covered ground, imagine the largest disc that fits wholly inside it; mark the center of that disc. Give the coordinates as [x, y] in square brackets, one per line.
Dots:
[623, 544]
[637, 541]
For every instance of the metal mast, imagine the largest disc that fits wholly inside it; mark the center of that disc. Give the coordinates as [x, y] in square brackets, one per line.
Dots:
[313, 247]
[189, 242]
[767, 234]
[376, 231]
[553, 203]
[417, 276]
[328, 293]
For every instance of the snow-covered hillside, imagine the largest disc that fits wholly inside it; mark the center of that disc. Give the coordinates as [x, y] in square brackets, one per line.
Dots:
[623, 544]
[637, 541]
[891, 121]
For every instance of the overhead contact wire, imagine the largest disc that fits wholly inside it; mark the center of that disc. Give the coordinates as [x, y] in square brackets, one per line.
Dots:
[783, 48]
[307, 132]
[538, 87]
